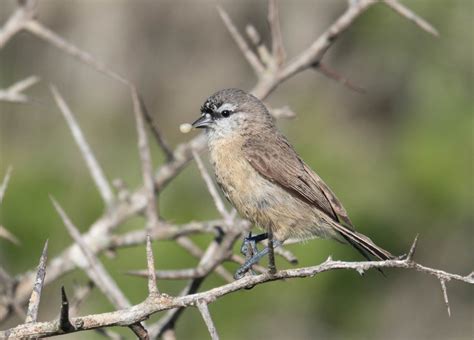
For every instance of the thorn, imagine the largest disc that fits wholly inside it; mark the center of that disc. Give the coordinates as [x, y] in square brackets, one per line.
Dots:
[332, 74]
[410, 15]
[33, 305]
[152, 287]
[445, 295]
[4, 233]
[3, 186]
[64, 322]
[412, 249]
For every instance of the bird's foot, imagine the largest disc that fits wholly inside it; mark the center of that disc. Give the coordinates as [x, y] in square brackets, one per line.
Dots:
[254, 260]
[249, 246]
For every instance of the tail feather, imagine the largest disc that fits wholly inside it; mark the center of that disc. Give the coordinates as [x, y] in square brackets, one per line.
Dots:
[363, 244]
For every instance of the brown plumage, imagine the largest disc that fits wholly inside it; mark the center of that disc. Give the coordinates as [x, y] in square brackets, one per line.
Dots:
[264, 178]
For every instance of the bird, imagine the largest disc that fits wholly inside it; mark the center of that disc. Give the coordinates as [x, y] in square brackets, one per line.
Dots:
[268, 183]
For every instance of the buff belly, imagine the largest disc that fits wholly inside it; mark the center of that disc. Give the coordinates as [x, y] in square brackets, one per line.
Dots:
[264, 203]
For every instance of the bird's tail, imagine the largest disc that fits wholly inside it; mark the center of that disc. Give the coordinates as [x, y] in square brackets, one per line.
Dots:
[363, 244]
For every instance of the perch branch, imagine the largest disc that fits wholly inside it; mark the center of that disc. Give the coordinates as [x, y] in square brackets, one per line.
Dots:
[151, 305]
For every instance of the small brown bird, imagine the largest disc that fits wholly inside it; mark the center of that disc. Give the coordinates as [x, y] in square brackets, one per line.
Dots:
[267, 182]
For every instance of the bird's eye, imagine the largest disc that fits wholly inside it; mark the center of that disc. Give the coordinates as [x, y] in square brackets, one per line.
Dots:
[225, 113]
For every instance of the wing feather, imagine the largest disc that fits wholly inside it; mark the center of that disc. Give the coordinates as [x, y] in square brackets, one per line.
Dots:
[275, 159]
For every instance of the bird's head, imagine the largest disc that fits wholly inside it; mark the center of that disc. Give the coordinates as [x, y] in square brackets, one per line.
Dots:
[231, 110]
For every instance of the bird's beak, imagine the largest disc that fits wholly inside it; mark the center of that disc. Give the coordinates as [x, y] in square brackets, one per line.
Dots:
[202, 121]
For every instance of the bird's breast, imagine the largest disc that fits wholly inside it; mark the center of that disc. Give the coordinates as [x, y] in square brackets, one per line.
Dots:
[239, 181]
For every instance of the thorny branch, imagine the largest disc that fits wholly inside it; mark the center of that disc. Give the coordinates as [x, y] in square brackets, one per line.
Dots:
[154, 304]
[271, 69]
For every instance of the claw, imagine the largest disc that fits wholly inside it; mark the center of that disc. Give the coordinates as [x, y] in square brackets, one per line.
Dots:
[253, 259]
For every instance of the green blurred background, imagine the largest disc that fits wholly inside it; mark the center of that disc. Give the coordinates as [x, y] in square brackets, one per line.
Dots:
[400, 157]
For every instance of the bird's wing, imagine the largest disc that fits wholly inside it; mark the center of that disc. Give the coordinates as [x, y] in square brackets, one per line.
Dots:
[276, 160]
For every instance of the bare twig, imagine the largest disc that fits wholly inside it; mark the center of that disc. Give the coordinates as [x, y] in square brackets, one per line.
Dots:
[212, 189]
[188, 273]
[54, 39]
[278, 50]
[332, 74]
[92, 266]
[95, 169]
[17, 21]
[195, 251]
[241, 43]
[33, 305]
[412, 248]
[204, 310]
[410, 15]
[7, 235]
[282, 112]
[156, 132]
[152, 287]
[445, 295]
[315, 52]
[4, 185]
[164, 232]
[14, 92]
[80, 294]
[98, 273]
[145, 157]
[168, 321]
[265, 56]
[169, 334]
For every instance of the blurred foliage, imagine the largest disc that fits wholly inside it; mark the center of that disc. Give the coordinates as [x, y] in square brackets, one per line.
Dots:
[400, 157]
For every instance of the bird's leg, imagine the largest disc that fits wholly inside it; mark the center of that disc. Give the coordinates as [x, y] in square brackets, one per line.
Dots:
[252, 241]
[254, 259]
[271, 253]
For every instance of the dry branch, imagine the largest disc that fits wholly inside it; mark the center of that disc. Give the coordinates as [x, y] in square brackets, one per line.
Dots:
[410, 15]
[152, 287]
[97, 272]
[155, 304]
[272, 70]
[278, 49]
[4, 185]
[212, 190]
[204, 310]
[95, 169]
[241, 43]
[14, 93]
[145, 157]
[16, 22]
